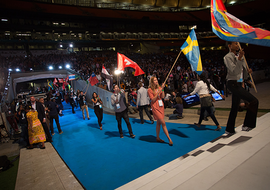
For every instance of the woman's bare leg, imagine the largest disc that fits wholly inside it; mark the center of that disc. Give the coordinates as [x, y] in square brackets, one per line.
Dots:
[166, 131]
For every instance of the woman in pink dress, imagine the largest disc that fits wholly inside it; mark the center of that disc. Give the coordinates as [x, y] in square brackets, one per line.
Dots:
[156, 93]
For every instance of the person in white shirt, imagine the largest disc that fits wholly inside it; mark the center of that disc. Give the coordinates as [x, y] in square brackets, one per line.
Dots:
[184, 87]
[203, 88]
[237, 72]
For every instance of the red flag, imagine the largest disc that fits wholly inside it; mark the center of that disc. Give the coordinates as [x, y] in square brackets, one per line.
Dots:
[55, 82]
[108, 77]
[93, 79]
[66, 80]
[123, 62]
[61, 80]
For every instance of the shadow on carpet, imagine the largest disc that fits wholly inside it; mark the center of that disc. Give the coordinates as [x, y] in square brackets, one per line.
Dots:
[100, 159]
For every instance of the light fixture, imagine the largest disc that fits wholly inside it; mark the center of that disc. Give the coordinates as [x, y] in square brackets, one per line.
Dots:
[18, 70]
[10, 70]
[67, 66]
[50, 67]
[60, 67]
[71, 45]
[117, 72]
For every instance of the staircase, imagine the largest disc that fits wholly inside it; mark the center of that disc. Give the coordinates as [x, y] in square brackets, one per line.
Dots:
[240, 161]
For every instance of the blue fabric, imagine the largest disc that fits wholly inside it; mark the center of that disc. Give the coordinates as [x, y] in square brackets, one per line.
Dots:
[102, 160]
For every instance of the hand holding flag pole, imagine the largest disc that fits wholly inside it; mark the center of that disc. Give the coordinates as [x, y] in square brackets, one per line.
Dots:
[252, 81]
[172, 67]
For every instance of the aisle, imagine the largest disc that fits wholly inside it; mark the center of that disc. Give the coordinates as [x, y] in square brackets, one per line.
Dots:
[102, 160]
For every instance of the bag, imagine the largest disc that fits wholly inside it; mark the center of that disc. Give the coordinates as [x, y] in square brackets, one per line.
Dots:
[206, 101]
[4, 163]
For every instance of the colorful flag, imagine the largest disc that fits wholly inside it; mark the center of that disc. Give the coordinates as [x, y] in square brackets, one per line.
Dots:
[93, 79]
[50, 84]
[66, 79]
[55, 82]
[191, 49]
[71, 77]
[229, 28]
[108, 77]
[77, 77]
[123, 62]
[61, 80]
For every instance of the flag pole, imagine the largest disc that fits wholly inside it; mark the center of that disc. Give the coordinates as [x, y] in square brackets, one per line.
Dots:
[172, 67]
[252, 81]
[86, 89]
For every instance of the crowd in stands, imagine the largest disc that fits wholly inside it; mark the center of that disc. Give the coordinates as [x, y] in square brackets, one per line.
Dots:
[152, 63]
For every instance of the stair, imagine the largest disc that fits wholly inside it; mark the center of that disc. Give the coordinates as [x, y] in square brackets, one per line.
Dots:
[208, 165]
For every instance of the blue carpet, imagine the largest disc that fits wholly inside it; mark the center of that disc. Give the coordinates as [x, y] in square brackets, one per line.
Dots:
[102, 160]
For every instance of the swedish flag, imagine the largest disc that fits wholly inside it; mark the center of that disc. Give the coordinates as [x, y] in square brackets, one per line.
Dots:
[191, 49]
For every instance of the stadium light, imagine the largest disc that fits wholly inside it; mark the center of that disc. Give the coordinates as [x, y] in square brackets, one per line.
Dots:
[71, 45]
[117, 72]
[10, 70]
[50, 67]
[61, 45]
[60, 67]
[18, 70]
[67, 66]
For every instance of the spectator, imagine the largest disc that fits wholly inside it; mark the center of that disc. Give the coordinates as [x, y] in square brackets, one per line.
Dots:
[35, 130]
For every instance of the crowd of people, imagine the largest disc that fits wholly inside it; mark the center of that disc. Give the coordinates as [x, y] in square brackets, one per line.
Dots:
[130, 93]
[34, 119]
[152, 63]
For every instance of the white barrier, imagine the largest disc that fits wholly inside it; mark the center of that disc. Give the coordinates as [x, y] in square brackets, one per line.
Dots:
[103, 94]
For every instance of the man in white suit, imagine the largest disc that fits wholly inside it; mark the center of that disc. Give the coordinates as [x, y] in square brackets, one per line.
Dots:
[143, 102]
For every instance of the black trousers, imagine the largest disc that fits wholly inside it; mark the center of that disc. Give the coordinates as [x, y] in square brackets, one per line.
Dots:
[145, 108]
[124, 115]
[211, 114]
[99, 113]
[47, 132]
[72, 105]
[56, 118]
[238, 93]
[24, 133]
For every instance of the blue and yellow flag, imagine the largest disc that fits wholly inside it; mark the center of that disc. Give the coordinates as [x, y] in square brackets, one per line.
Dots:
[229, 28]
[191, 49]
[50, 84]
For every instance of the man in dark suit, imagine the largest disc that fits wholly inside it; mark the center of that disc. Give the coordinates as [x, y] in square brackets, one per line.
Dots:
[52, 106]
[41, 116]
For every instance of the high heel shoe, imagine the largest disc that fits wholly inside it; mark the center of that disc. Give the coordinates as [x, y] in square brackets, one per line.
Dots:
[198, 125]
[218, 128]
[159, 140]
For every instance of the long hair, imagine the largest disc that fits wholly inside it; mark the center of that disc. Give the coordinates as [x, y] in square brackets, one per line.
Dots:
[204, 79]
[179, 100]
[152, 85]
[93, 95]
